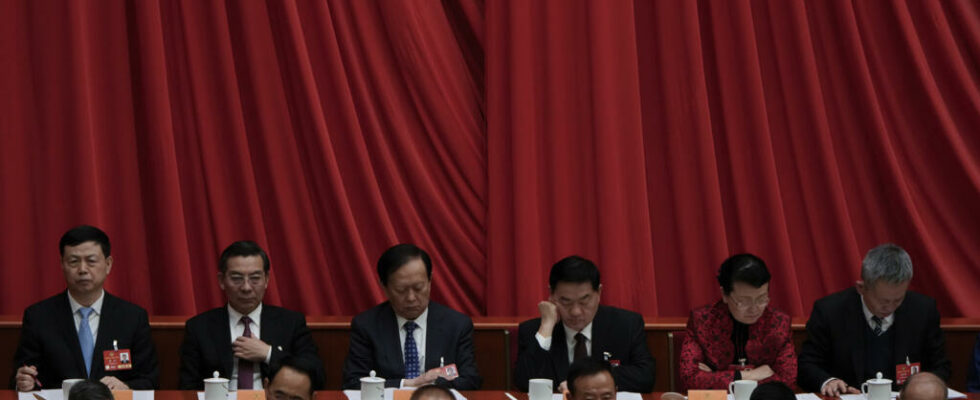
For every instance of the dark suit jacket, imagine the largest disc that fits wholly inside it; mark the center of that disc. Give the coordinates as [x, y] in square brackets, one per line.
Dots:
[708, 340]
[374, 345]
[615, 331]
[835, 339]
[207, 344]
[49, 340]
[973, 370]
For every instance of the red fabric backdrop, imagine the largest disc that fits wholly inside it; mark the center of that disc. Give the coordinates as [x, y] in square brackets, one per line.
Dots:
[656, 137]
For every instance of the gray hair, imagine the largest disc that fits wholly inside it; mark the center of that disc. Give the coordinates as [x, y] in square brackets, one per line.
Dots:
[886, 263]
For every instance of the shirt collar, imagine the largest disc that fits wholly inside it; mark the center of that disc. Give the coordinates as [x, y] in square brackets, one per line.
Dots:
[570, 334]
[868, 314]
[420, 321]
[235, 317]
[97, 306]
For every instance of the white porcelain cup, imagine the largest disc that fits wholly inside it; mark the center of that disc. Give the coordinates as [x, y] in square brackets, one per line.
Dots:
[215, 388]
[877, 389]
[372, 387]
[540, 389]
[742, 389]
[67, 384]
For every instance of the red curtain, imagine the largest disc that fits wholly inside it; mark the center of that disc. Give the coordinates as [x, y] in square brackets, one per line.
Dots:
[656, 137]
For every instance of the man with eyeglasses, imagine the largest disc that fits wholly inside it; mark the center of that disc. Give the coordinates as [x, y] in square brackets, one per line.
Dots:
[241, 339]
[877, 326]
[740, 336]
[573, 326]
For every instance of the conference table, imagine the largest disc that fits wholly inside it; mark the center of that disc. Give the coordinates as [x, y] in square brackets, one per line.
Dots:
[339, 395]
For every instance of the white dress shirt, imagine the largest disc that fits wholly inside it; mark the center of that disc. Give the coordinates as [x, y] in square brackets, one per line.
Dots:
[545, 343]
[93, 317]
[238, 330]
[885, 322]
[418, 334]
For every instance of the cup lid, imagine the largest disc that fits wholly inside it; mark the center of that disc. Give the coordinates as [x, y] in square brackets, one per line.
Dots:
[373, 378]
[215, 378]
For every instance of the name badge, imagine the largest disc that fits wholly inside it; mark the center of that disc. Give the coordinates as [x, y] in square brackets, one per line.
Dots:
[449, 372]
[904, 371]
[117, 360]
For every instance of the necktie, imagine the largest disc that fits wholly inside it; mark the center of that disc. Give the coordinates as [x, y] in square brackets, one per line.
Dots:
[876, 322]
[581, 352]
[245, 366]
[85, 338]
[411, 351]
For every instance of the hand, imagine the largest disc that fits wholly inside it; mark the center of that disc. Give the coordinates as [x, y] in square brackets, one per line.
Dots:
[424, 379]
[549, 317]
[837, 387]
[25, 378]
[758, 373]
[563, 387]
[250, 348]
[114, 383]
[704, 367]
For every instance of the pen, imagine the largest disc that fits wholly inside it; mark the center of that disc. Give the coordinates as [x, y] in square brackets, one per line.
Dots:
[442, 362]
[36, 381]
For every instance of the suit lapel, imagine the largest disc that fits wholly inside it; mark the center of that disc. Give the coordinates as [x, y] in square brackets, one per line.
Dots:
[559, 350]
[390, 331]
[269, 320]
[222, 343]
[106, 335]
[66, 320]
[899, 345]
[433, 340]
[856, 329]
[599, 332]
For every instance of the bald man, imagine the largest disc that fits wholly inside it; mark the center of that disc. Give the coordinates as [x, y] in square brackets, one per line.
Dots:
[924, 386]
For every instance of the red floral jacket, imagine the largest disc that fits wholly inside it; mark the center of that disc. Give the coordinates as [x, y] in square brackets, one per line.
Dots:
[708, 340]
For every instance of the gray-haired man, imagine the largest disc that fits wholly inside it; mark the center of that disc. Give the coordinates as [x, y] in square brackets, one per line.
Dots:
[876, 326]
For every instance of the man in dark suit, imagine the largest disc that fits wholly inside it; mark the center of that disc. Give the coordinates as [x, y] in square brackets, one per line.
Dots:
[573, 326]
[243, 338]
[64, 336]
[876, 326]
[408, 338]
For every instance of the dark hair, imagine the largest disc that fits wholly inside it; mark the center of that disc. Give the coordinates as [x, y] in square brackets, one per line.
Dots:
[774, 390]
[574, 269]
[745, 268]
[242, 248]
[84, 233]
[424, 390]
[585, 367]
[89, 390]
[303, 365]
[398, 255]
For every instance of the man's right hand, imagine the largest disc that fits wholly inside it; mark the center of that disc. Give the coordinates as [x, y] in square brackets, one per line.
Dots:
[549, 318]
[25, 378]
[837, 387]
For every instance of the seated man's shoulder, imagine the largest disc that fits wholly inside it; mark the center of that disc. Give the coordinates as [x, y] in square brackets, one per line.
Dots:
[837, 300]
[441, 314]
[124, 305]
[620, 314]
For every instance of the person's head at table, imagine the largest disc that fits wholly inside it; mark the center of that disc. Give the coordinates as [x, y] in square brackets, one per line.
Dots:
[292, 379]
[885, 276]
[89, 390]
[575, 290]
[590, 379]
[774, 390]
[85, 262]
[243, 274]
[744, 281]
[405, 272]
[923, 386]
[432, 392]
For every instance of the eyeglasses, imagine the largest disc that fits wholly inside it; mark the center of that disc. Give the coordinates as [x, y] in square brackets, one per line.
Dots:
[744, 304]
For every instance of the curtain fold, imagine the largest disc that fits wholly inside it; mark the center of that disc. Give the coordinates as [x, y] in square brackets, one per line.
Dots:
[654, 137]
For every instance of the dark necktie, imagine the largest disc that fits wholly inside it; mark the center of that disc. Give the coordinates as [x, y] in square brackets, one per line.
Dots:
[245, 366]
[411, 352]
[581, 352]
[876, 325]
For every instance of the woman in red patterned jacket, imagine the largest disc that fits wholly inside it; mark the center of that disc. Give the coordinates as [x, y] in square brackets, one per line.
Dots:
[739, 337]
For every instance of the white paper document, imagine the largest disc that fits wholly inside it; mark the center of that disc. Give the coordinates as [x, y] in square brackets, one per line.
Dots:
[619, 396]
[57, 394]
[389, 394]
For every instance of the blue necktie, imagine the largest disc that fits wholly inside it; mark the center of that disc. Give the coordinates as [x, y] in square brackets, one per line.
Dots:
[411, 351]
[85, 338]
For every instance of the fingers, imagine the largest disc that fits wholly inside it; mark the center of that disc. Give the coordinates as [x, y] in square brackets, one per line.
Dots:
[853, 390]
